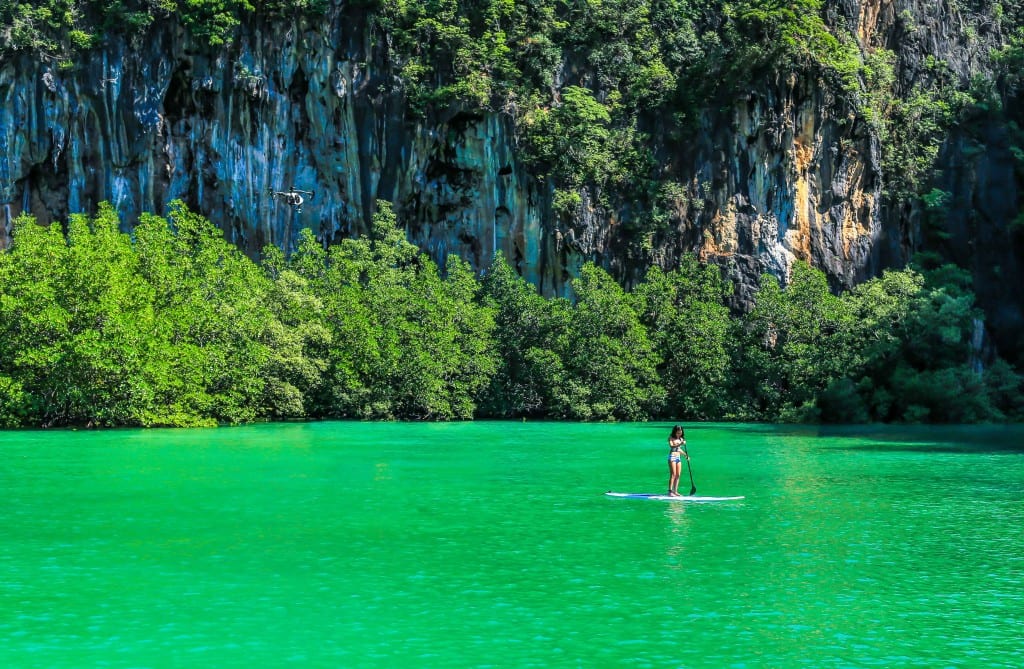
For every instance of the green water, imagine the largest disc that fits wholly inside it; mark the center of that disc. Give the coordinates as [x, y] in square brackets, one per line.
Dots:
[490, 544]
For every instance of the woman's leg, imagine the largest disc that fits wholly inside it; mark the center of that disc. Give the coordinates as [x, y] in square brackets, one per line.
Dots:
[675, 469]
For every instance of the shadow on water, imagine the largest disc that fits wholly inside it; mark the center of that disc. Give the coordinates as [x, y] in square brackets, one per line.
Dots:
[747, 428]
[929, 438]
[739, 428]
[986, 438]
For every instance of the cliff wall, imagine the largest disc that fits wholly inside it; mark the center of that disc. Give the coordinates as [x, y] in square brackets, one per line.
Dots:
[788, 168]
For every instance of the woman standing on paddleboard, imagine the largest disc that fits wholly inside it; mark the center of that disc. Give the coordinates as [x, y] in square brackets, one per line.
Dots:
[676, 453]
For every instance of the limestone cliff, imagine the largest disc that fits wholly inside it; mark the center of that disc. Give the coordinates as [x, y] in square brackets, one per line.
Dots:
[787, 169]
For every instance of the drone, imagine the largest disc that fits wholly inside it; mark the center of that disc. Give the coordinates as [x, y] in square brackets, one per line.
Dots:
[292, 197]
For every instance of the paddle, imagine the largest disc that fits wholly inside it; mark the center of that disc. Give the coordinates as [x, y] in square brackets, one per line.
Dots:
[693, 488]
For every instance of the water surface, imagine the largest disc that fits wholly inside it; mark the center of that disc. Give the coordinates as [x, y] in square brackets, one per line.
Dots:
[490, 545]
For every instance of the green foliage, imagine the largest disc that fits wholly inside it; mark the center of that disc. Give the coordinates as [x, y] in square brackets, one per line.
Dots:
[684, 311]
[620, 42]
[879, 94]
[404, 341]
[936, 198]
[796, 343]
[1009, 61]
[1005, 389]
[212, 20]
[915, 128]
[453, 53]
[106, 332]
[912, 125]
[588, 361]
[299, 338]
[13, 403]
[791, 33]
[62, 29]
[530, 333]
[896, 348]
[212, 302]
[571, 141]
[53, 27]
[174, 326]
[65, 310]
[610, 363]
[179, 328]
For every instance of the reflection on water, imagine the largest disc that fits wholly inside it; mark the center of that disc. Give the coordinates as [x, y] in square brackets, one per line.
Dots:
[327, 545]
[678, 531]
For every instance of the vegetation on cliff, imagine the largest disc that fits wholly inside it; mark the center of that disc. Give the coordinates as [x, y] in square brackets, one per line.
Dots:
[614, 74]
[172, 325]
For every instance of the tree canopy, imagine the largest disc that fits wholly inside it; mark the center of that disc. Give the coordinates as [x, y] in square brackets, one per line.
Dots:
[173, 325]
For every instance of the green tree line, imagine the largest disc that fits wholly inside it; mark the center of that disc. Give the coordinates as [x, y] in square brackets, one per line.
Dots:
[173, 325]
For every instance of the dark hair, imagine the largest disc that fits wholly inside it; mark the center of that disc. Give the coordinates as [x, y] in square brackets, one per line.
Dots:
[679, 429]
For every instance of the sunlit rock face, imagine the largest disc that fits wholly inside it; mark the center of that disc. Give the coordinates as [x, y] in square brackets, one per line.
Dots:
[790, 175]
[787, 170]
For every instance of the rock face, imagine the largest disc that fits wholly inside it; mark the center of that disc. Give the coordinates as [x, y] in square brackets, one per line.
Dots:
[787, 171]
[791, 177]
[288, 105]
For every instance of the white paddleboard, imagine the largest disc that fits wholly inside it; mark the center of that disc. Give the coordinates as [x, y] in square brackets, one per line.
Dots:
[670, 498]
